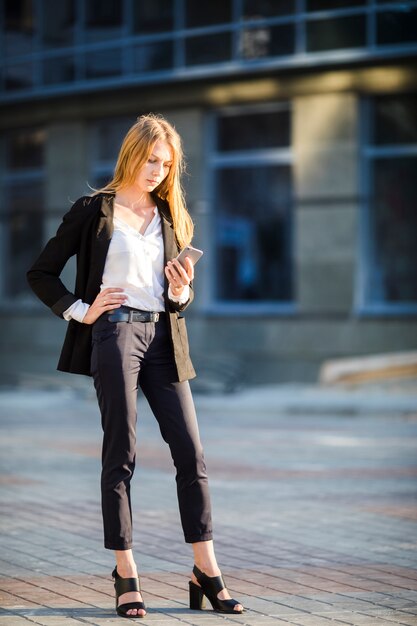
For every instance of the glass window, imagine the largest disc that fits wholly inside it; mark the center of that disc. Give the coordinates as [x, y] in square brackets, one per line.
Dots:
[23, 206]
[391, 1]
[393, 222]
[153, 56]
[24, 227]
[103, 19]
[252, 131]
[153, 16]
[329, 5]
[109, 134]
[336, 33]
[253, 235]
[58, 20]
[19, 25]
[19, 76]
[25, 149]
[58, 70]
[391, 251]
[255, 9]
[252, 220]
[208, 49]
[395, 120]
[103, 63]
[267, 41]
[207, 13]
[397, 26]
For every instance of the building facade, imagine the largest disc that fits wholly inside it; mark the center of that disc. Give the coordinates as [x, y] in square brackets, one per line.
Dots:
[299, 122]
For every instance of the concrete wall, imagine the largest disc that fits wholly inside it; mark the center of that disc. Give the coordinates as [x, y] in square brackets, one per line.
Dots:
[327, 225]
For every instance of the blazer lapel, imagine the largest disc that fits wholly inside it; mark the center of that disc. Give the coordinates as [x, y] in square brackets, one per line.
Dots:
[101, 237]
[170, 246]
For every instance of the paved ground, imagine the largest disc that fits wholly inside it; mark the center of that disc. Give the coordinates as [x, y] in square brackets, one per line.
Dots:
[314, 496]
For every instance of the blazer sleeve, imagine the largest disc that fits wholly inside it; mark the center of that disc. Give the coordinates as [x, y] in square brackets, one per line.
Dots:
[181, 307]
[43, 276]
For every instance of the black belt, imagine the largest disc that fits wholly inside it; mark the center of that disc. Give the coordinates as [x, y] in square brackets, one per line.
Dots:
[133, 315]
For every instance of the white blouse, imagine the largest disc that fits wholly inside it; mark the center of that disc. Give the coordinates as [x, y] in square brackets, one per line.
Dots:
[134, 262]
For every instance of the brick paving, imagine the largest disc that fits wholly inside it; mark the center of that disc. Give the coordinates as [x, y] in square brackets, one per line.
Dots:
[314, 504]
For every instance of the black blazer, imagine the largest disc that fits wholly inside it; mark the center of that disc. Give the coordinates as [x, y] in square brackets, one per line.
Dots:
[86, 231]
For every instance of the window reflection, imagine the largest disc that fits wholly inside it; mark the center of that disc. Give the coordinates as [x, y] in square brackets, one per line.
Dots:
[207, 13]
[252, 131]
[394, 225]
[153, 56]
[19, 25]
[58, 70]
[253, 203]
[336, 33]
[19, 76]
[397, 26]
[102, 63]
[252, 226]
[24, 227]
[208, 49]
[253, 9]
[108, 135]
[267, 41]
[58, 19]
[25, 149]
[103, 19]
[395, 120]
[153, 16]
[329, 5]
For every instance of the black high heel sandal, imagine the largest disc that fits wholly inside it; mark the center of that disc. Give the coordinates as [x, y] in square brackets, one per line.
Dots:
[210, 587]
[124, 585]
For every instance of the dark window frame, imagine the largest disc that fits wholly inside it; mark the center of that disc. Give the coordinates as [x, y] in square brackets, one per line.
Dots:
[213, 305]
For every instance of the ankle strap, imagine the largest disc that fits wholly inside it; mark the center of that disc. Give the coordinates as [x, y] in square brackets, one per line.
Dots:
[216, 583]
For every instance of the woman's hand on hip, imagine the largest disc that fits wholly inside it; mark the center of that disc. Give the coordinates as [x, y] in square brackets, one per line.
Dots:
[178, 276]
[108, 299]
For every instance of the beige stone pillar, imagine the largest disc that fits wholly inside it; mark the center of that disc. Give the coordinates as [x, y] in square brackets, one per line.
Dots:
[67, 172]
[190, 125]
[326, 151]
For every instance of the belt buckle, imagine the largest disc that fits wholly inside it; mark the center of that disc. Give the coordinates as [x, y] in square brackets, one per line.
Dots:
[130, 319]
[155, 317]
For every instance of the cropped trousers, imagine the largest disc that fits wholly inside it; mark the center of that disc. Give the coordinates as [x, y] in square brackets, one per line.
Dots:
[126, 356]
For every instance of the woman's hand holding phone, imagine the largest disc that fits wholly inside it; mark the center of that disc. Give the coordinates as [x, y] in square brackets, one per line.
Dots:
[179, 275]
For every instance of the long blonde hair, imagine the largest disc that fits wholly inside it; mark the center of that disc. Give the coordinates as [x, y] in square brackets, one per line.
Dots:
[135, 150]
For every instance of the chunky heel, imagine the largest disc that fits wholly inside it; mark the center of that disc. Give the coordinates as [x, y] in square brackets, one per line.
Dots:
[210, 587]
[197, 597]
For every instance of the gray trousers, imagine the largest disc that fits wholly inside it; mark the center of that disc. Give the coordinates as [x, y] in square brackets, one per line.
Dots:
[126, 356]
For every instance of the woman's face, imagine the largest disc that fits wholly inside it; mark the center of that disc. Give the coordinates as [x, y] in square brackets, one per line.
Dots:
[156, 168]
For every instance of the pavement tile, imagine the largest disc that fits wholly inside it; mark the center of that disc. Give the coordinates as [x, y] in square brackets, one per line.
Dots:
[315, 514]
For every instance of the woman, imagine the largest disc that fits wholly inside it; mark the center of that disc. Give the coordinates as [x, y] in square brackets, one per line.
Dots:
[126, 329]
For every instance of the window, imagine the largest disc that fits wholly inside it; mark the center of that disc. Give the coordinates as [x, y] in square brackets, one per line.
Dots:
[267, 41]
[103, 19]
[330, 5]
[58, 70]
[103, 63]
[255, 9]
[391, 251]
[152, 57]
[252, 206]
[397, 26]
[19, 25]
[207, 13]
[58, 20]
[106, 138]
[22, 210]
[208, 49]
[153, 16]
[336, 33]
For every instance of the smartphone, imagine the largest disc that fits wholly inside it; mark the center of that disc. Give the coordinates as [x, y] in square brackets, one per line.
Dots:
[194, 253]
